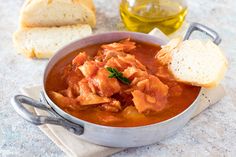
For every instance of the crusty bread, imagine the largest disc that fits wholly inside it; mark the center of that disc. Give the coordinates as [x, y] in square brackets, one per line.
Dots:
[43, 42]
[50, 13]
[164, 55]
[194, 62]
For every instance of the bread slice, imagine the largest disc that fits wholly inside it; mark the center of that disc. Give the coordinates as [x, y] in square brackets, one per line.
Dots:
[49, 13]
[43, 42]
[194, 62]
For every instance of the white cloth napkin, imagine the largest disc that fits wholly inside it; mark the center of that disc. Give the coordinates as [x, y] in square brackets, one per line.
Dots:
[73, 146]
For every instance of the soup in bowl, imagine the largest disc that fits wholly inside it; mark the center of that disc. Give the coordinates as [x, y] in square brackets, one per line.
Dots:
[110, 90]
[118, 84]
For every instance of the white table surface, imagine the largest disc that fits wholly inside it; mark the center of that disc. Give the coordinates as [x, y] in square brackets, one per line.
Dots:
[212, 133]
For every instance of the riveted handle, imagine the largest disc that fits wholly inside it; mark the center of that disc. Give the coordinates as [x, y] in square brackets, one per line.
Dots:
[208, 31]
[18, 101]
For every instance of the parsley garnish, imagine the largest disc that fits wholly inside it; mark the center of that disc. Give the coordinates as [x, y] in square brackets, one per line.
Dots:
[114, 73]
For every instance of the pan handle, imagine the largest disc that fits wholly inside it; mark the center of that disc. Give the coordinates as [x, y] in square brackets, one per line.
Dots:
[18, 101]
[208, 31]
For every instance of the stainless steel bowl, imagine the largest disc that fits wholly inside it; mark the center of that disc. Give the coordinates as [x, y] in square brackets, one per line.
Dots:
[99, 134]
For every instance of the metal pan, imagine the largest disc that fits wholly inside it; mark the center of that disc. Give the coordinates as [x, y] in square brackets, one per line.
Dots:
[99, 134]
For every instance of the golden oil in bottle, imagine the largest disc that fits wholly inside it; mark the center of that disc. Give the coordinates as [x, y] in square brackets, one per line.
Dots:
[144, 15]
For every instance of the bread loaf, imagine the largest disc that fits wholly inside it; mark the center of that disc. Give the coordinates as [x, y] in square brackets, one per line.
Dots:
[50, 13]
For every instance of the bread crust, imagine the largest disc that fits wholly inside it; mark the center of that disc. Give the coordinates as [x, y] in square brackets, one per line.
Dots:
[164, 56]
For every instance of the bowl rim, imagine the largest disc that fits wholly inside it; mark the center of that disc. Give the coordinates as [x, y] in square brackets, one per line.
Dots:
[63, 114]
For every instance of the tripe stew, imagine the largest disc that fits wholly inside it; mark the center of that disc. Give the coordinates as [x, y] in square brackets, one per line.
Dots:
[118, 84]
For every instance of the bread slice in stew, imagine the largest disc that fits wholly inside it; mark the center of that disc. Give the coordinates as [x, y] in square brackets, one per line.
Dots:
[199, 63]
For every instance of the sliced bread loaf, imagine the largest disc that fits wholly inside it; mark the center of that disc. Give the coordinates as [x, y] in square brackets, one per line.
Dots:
[49, 13]
[43, 42]
[194, 62]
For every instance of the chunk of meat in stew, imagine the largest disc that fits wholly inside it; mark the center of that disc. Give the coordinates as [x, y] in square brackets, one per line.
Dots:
[80, 59]
[105, 86]
[63, 101]
[122, 46]
[87, 97]
[151, 95]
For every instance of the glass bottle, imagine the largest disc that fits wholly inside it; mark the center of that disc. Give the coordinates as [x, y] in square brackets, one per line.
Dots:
[144, 15]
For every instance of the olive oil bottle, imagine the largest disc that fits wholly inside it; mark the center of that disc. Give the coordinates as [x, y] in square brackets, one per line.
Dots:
[144, 15]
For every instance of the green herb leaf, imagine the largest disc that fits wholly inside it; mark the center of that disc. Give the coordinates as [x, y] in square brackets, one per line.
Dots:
[114, 73]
